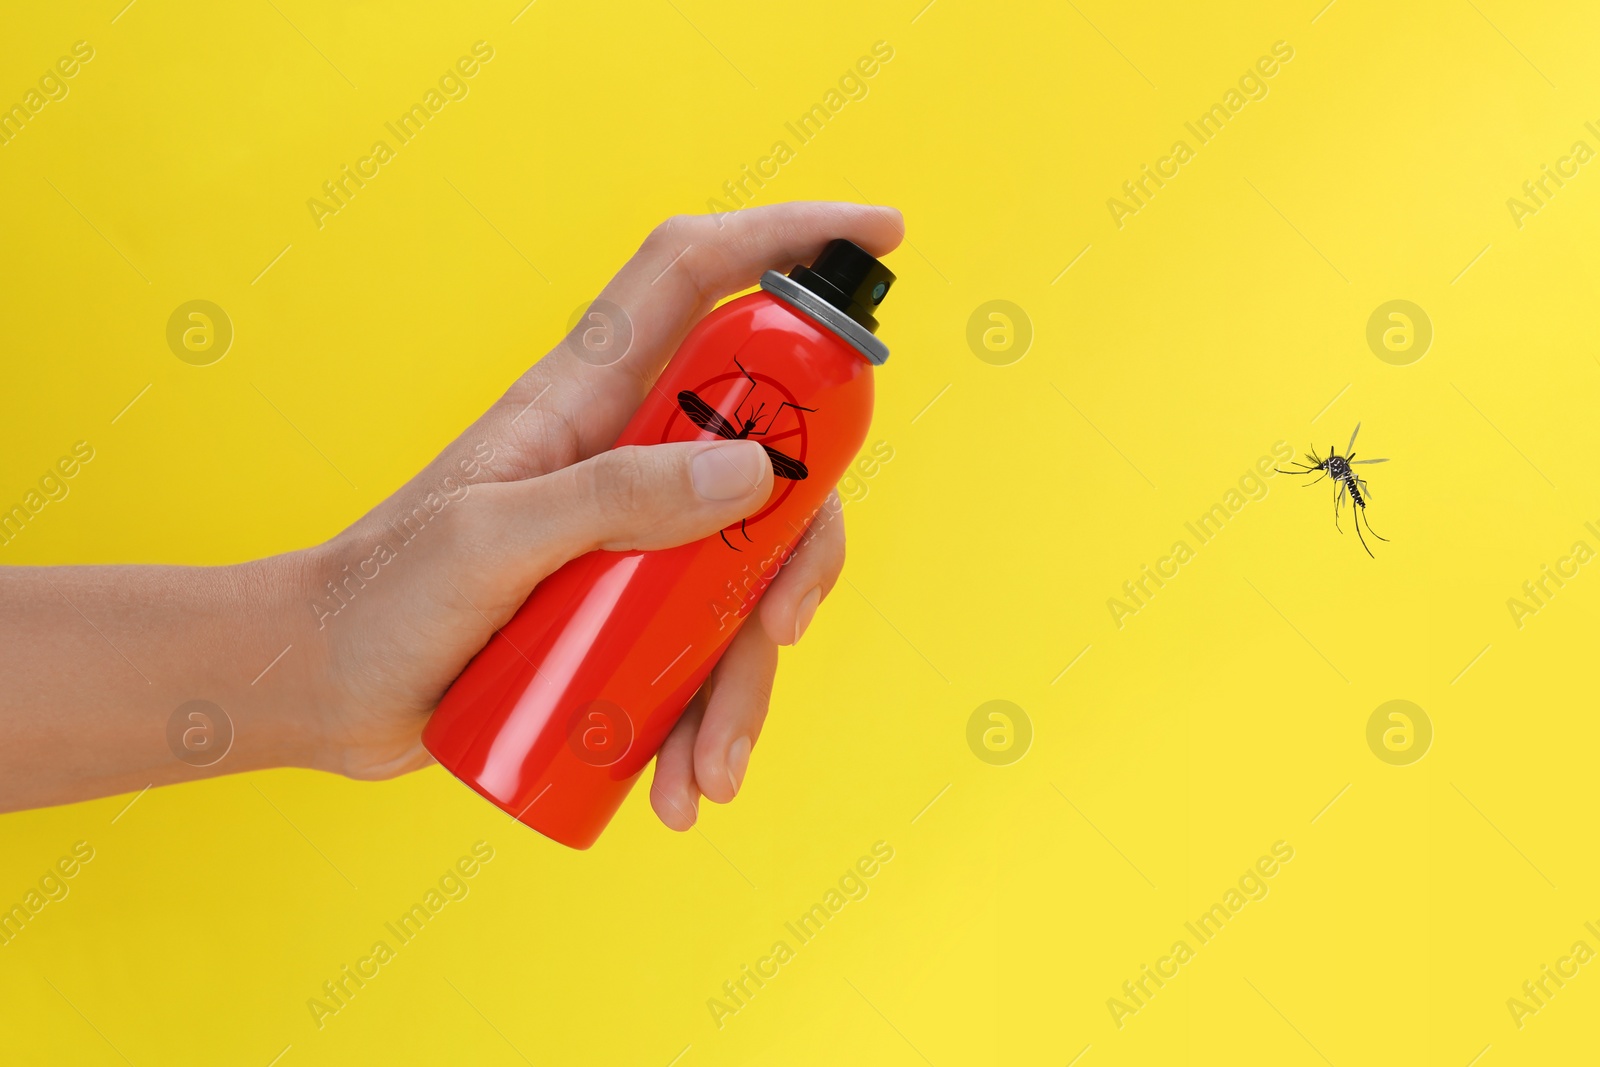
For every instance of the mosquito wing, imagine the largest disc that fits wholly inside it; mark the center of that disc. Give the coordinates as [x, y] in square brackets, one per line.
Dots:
[705, 416]
[786, 466]
[1352, 443]
[1359, 462]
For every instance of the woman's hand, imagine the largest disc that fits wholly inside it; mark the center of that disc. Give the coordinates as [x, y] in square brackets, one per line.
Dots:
[333, 657]
[530, 485]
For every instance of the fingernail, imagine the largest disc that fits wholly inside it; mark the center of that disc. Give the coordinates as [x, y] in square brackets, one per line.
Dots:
[804, 614]
[738, 761]
[728, 471]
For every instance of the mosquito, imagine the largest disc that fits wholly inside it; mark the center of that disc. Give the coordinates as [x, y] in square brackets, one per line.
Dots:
[1338, 467]
[744, 428]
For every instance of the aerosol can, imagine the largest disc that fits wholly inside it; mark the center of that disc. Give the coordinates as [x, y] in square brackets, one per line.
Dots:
[559, 713]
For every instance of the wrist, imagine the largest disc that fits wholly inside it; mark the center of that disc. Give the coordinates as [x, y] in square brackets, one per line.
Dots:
[283, 661]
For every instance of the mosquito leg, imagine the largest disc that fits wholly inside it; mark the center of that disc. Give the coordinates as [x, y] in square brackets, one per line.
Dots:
[1370, 530]
[746, 533]
[723, 534]
[1315, 480]
[1358, 528]
[748, 391]
[1338, 499]
[779, 408]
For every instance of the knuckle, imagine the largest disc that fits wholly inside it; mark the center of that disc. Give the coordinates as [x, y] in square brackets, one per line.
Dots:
[761, 692]
[560, 434]
[687, 242]
[674, 232]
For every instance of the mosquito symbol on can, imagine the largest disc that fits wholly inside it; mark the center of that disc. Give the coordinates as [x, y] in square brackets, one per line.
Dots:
[744, 427]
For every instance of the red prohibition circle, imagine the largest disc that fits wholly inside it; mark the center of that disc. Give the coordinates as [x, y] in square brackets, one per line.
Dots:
[762, 379]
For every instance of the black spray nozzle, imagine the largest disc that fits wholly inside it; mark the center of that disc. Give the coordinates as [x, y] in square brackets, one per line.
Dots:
[848, 278]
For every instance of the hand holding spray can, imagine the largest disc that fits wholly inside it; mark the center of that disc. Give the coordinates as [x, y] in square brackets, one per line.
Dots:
[559, 713]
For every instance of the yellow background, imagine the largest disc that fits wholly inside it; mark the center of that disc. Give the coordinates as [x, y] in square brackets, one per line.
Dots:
[1228, 314]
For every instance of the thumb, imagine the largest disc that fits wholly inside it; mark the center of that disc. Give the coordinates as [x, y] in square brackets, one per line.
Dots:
[634, 497]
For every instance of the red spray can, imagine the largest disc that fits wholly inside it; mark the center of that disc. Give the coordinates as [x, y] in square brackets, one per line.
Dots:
[559, 713]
